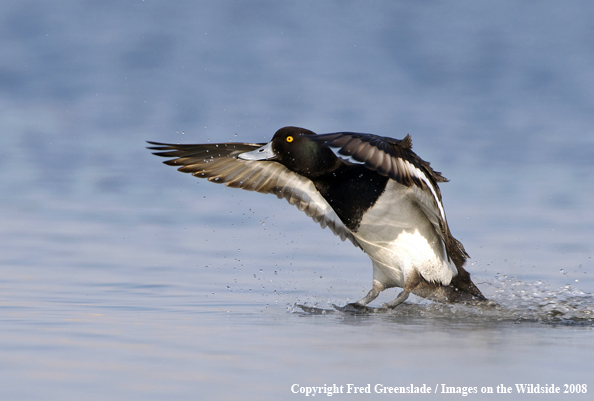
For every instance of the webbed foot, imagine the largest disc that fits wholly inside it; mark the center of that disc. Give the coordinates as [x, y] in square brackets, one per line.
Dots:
[315, 311]
[355, 308]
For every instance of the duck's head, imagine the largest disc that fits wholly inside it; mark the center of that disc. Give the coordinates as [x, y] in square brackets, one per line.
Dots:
[293, 148]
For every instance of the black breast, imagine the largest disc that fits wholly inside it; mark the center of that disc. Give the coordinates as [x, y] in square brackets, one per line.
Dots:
[351, 191]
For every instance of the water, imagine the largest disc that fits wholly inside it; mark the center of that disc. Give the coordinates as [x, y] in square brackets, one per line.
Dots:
[123, 279]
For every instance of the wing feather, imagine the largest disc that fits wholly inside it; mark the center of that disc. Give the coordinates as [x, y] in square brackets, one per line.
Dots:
[219, 163]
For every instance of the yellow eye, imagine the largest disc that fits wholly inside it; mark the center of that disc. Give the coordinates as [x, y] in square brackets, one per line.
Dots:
[289, 139]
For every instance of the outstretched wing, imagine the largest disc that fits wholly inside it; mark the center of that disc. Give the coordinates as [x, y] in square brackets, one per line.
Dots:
[395, 159]
[219, 163]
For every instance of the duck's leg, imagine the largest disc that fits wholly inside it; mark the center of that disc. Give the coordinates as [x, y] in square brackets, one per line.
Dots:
[410, 285]
[361, 305]
[371, 295]
[399, 299]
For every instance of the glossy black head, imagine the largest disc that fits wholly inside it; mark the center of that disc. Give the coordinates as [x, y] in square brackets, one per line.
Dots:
[294, 148]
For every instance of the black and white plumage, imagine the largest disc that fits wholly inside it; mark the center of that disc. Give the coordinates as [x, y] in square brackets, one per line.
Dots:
[373, 190]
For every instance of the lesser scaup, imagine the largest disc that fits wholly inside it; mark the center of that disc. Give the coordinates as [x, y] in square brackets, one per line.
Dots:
[373, 190]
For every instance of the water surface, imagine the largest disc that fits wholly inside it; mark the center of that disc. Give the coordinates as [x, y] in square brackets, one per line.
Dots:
[123, 279]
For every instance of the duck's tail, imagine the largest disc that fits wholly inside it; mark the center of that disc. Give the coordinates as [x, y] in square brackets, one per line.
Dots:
[461, 289]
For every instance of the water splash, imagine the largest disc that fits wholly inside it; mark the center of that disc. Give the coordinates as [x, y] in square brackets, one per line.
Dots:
[537, 302]
[512, 302]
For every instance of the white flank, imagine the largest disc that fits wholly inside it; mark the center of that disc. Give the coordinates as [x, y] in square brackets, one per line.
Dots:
[400, 239]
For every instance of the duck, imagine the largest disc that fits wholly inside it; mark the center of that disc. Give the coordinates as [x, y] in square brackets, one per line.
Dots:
[370, 189]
